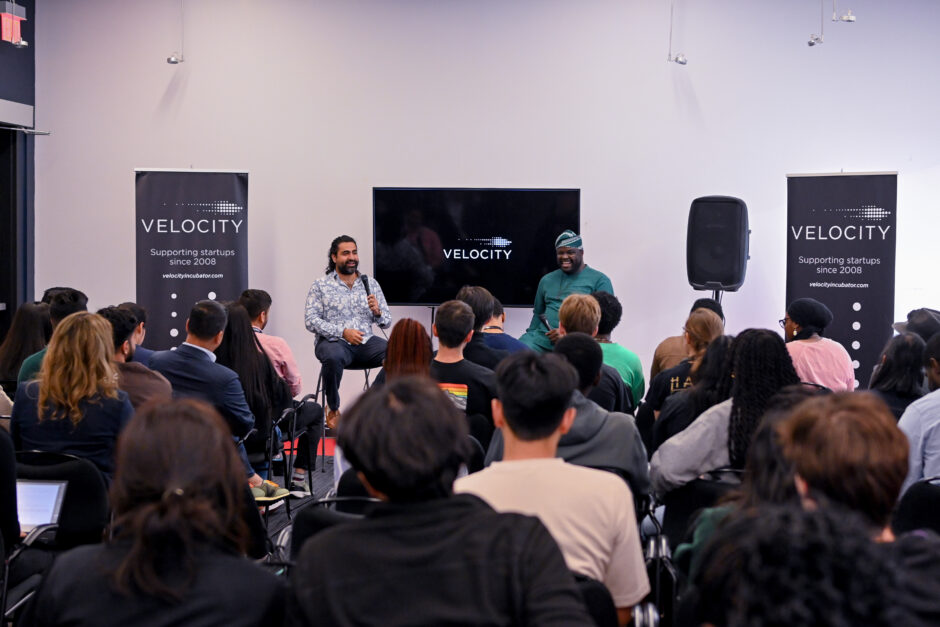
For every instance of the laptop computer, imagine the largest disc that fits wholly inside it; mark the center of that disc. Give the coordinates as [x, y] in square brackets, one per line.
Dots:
[38, 502]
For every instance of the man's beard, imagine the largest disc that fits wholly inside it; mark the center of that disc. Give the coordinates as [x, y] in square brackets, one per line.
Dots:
[347, 269]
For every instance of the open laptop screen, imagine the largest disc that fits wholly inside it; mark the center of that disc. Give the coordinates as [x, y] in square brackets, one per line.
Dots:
[38, 502]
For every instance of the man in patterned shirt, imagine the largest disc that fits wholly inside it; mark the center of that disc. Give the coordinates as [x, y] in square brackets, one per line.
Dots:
[341, 310]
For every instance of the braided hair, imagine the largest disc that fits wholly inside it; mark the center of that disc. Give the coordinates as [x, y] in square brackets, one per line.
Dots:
[761, 365]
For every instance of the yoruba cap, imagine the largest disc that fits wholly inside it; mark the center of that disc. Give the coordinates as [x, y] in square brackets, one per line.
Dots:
[924, 322]
[570, 239]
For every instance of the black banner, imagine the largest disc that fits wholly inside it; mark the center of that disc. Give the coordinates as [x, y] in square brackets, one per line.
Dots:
[192, 244]
[841, 234]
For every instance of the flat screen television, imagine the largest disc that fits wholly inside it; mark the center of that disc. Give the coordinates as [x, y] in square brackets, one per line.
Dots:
[430, 242]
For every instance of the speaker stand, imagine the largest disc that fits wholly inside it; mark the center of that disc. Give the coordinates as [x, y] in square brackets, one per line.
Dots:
[717, 295]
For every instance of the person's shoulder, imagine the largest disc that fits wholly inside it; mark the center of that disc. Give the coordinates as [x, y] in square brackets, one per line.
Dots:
[595, 274]
[924, 408]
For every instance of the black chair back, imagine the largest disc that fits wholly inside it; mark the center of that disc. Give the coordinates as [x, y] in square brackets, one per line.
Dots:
[477, 456]
[321, 515]
[685, 502]
[85, 511]
[597, 600]
[919, 507]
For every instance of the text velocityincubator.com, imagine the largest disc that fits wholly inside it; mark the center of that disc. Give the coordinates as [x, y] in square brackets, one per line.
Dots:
[187, 275]
[828, 284]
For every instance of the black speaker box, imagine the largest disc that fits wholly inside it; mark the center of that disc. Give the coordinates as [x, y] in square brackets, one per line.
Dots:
[716, 247]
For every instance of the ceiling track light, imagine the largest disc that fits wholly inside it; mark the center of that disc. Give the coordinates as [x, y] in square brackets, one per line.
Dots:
[678, 58]
[815, 39]
[848, 16]
[177, 58]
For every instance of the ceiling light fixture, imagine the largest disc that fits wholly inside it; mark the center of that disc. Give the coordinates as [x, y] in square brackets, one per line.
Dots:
[814, 38]
[177, 58]
[678, 57]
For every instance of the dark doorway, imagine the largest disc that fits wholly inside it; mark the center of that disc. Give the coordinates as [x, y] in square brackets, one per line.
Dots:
[16, 223]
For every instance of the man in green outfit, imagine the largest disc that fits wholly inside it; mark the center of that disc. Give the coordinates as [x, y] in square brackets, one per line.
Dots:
[572, 277]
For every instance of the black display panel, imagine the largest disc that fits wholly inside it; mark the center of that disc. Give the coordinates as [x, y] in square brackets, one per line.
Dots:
[429, 242]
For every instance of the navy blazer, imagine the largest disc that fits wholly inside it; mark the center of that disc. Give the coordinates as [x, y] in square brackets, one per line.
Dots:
[142, 355]
[194, 375]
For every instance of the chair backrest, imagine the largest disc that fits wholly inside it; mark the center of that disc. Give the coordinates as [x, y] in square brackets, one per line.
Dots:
[9, 524]
[683, 503]
[597, 600]
[321, 515]
[919, 507]
[477, 456]
[85, 511]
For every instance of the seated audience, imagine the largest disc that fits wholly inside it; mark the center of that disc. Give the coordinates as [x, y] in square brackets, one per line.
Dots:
[494, 334]
[598, 438]
[923, 322]
[846, 450]
[781, 567]
[141, 355]
[711, 384]
[581, 313]
[409, 351]
[671, 351]
[193, 373]
[426, 556]
[140, 382]
[64, 301]
[921, 419]
[622, 359]
[477, 350]
[75, 406]
[590, 513]
[258, 305]
[29, 333]
[470, 386]
[701, 328]
[816, 359]
[899, 376]
[177, 556]
[720, 437]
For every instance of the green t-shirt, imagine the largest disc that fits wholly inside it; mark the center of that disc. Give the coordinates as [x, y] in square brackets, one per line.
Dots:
[627, 363]
[31, 365]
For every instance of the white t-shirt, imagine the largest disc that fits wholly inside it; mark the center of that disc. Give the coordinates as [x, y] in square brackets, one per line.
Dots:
[589, 513]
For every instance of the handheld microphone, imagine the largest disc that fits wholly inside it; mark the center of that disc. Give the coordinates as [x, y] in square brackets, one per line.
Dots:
[544, 320]
[365, 283]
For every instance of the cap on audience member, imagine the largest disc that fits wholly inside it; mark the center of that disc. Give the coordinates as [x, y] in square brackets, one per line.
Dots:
[810, 315]
[406, 440]
[847, 448]
[711, 304]
[569, 239]
[924, 322]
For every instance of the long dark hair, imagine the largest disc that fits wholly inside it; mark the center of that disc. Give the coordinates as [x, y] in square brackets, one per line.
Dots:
[761, 366]
[29, 333]
[178, 485]
[241, 351]
[711, 383]
[334, 248]
[409, 349]
[902, 370]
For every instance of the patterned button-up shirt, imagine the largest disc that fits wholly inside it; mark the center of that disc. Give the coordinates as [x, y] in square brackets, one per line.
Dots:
[333, 306]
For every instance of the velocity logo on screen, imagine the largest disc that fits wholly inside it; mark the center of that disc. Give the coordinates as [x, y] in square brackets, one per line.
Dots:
[488, 248]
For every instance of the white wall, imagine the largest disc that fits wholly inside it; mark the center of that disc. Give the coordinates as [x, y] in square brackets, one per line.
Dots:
[322, 99]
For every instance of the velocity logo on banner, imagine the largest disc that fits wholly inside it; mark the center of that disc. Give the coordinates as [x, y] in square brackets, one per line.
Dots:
[841, 234]
[192, 244]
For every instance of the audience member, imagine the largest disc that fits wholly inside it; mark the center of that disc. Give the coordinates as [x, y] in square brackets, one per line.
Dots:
[899, 376]
[671, 351]
[64, 302]
[193, 373]
[426, 556]
[719, 438]
[258, 305]
[816, 359]
[140, 382]
[622, 359]
[494, 334]
[921, 419]
[590, 513]
[29, 333]
[598, 438]
[409, 351]
[701, 328]
[177, 555]
[711, 384]
[75, 406]
[581, 313]
[470, 386]
[573, 276]
[782, 566]
[477, 350]
[266, 393]
[847, 450]
[923, 322]
[142, 355]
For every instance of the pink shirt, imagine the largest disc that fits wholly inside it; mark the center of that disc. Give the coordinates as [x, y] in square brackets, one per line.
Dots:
[823, 361]
[282, 358]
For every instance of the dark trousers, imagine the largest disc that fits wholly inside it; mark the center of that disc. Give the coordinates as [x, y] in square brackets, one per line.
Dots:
[336, 356]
